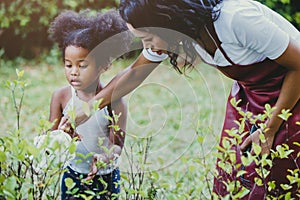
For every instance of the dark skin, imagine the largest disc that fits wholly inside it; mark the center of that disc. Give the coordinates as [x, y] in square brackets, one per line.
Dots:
[82, 73]
[289, 96]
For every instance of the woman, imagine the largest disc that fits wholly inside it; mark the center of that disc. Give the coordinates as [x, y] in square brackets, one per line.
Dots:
[246, 41]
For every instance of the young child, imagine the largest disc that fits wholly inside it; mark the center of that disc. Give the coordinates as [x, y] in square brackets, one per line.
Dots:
[98, 145]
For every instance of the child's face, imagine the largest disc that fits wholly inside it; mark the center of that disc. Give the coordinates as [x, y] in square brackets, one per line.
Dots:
[81, 71]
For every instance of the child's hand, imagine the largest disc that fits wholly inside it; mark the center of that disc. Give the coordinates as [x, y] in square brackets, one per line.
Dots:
[98, 160]
[81, 117]
[66, 127]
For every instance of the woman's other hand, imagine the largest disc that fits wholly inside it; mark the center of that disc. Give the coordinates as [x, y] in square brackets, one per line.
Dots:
[265, 144]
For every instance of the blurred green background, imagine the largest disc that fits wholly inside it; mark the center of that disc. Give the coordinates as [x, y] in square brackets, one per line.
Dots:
[24, 23]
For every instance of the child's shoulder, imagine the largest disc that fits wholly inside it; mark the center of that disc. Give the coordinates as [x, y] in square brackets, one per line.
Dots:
[62, 94]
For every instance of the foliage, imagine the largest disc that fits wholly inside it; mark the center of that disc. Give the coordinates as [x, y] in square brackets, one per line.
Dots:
[22, 178]
[28, 16]
[290, 9]
[24, 24]
[22, 175]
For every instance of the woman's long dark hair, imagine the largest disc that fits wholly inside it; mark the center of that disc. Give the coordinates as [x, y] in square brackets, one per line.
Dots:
[187, 17]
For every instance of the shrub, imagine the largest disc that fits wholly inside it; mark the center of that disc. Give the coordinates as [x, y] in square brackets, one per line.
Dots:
[22, 178]
[24, 24]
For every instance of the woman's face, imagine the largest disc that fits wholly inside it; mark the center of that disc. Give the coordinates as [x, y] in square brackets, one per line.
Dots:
[81, 71]
[152, 41]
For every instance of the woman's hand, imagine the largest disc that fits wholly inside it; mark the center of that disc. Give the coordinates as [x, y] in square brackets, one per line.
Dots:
[255, 138]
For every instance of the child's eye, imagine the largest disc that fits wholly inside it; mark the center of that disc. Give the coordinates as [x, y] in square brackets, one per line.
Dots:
[83, 66]
[68, 66]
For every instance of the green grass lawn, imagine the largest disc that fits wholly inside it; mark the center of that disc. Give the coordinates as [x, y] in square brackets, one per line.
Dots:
[175, 111]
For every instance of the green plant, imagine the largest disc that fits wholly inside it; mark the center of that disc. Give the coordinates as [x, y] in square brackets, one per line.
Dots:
[290, 9]
[190, 177]
[139, 181]
[22, 176]
[263, 163]
[24, 24]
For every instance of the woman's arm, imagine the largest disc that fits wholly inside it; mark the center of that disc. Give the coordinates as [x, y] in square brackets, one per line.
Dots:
[290, 91]
[116, 137]
[289, 96]
[122, 84]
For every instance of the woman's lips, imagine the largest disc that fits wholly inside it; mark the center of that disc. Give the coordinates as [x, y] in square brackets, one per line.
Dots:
[159, 52]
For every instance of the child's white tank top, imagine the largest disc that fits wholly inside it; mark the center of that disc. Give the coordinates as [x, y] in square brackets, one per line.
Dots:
[94, 134]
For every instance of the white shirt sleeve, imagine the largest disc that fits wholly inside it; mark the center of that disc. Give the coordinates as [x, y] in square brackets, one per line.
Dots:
[153, 56]
[255, 31]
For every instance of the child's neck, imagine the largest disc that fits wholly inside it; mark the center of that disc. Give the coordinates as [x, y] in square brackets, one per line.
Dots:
[89, 93]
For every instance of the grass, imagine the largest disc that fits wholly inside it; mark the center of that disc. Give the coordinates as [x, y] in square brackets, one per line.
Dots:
[173, 110]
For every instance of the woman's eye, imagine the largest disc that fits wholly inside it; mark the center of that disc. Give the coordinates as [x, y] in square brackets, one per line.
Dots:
[68, 66]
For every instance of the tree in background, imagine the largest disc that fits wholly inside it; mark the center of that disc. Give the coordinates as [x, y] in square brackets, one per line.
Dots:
[24, 23]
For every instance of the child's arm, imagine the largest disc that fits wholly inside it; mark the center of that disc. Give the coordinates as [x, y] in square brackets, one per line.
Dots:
[55, 109]
[58, 102]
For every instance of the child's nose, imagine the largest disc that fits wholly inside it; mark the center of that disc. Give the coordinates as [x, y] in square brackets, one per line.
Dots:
[75, 71]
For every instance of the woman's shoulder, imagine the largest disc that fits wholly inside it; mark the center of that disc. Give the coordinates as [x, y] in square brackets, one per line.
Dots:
[237, 15]
[233, 10]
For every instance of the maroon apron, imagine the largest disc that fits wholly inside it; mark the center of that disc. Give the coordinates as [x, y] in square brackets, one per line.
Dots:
[257, 85]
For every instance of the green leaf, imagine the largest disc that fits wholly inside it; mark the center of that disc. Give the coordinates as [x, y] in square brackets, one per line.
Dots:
[256, 148]
[72, 148]
[262, 138]
[258, 181]
[241, 172]
[285, 1]
[96, 104]
[285, 114]
[69, 183]
[285, 186]
[269, 110]
[235, 103]
[19, 73]
[2, 156]
[271, 185]
[200, 139]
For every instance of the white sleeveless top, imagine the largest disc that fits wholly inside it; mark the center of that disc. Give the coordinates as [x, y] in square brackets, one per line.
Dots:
[94, 134]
